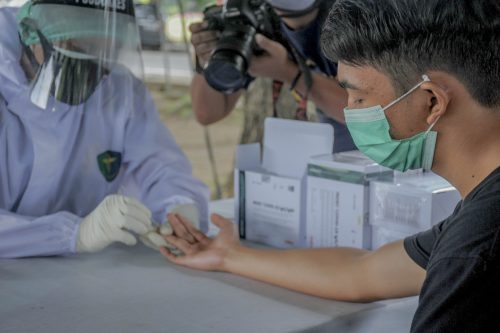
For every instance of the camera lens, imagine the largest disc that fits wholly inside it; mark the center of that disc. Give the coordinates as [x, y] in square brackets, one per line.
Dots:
[228, 65]
[225, 71]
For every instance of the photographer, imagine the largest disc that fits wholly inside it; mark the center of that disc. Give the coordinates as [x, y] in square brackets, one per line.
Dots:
[298, 27]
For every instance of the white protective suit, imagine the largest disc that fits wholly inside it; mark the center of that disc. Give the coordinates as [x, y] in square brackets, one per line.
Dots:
[49, 174]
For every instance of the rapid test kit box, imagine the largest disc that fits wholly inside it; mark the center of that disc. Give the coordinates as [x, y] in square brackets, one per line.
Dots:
[408, 205]
[338, 199]
[270, 185]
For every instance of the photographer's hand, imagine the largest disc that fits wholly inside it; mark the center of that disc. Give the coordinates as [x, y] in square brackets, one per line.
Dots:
[274, 63]
[209, 105]
[326, 93]
[203, 41]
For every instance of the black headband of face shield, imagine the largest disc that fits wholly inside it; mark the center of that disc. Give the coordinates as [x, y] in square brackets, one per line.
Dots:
[120, 6]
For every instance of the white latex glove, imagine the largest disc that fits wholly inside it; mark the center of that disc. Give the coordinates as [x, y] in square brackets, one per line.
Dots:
[154, 239]
[112, 221]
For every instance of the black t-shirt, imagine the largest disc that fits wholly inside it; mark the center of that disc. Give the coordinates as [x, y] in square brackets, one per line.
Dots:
[461, 292]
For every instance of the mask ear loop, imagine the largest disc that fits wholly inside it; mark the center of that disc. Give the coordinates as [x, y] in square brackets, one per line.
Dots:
[425, 78]
[432, 125]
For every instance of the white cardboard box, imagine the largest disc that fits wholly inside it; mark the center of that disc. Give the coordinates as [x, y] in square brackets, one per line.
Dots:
[337, 199]
[270, 194]
[411, 204]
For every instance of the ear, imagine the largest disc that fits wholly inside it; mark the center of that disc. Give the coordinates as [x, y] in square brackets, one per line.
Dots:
[437, 101]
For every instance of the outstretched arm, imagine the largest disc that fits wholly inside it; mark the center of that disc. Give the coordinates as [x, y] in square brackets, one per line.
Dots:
[65, 233]
[339, 273]
[26, 236]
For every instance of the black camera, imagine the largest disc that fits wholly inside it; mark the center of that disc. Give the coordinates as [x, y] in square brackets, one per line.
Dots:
[239, 21]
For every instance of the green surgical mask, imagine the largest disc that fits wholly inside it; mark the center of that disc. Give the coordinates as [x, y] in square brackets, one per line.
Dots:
[370, 131]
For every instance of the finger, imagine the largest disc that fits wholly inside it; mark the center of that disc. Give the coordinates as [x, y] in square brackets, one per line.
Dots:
[178, 259]
[158, 240]
[205, 48]
[197, 234]
[145, 240]
[204, 37]
[179, 226]
[221, 222]
[137, 209]
[155, 241]
[166, 229]
[136, 214]
[198, 26]
[124, 237]
[204, 58]
[188, 213]
[167, 254]
[264, 42]
[175, 251]
[180, 243]
[137, 226]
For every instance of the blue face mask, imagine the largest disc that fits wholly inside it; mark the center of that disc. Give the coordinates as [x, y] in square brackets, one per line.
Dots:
[370, 131]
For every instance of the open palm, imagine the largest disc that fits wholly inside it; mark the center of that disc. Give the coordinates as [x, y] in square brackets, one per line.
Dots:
[200, 251]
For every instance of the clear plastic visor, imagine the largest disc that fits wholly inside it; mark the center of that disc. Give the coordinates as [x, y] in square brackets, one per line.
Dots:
[73, 49]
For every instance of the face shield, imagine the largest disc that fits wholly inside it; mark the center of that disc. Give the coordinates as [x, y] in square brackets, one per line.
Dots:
[73, 45]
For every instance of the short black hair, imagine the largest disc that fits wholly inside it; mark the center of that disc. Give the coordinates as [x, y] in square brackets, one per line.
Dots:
[407, 38]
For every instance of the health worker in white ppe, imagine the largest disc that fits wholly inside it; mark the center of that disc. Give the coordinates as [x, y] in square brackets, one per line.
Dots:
[85, 160]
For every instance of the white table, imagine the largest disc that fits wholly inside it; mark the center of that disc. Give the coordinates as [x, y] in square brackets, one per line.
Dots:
[125, 289]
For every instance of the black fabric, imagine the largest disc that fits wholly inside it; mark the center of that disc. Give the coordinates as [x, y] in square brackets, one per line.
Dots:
[461, 292]
[120, 6]
[307, 43]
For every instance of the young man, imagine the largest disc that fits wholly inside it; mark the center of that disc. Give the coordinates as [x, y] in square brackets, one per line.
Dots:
[423, 80]
[299, 25]
[80, 136]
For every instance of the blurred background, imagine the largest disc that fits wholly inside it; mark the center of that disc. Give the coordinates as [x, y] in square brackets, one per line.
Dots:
[168, 63]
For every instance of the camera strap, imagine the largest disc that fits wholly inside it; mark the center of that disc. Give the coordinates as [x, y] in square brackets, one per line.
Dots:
[300, 112]
[301, 100]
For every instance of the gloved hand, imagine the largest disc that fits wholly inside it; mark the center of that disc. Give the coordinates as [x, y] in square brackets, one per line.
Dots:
[112, 221]
[155, 238]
